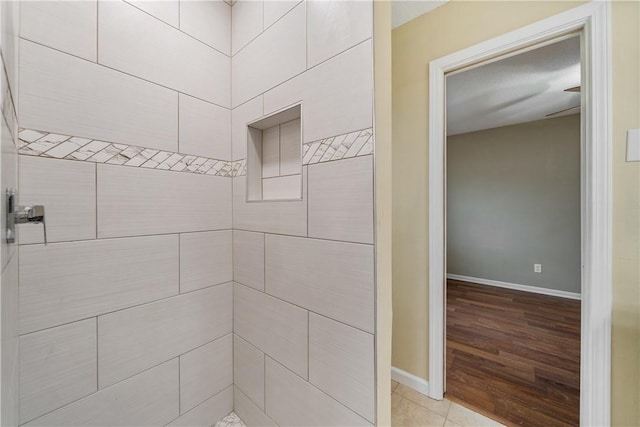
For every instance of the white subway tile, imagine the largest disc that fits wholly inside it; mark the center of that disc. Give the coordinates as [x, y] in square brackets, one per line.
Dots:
[69, 26]
[282, 187]
[208, 21]
[248, 370]
[248, 259]
[63, 94]
[240, 116]
[337, 94]
[276, 55]
[246, 23]
[334, 279]
[340, 94]
[57, 366]
[273, 326]
[250, 414]
[341, 363]
[205, 371]
[208, 412]
[135, 201]
[276, 9]
[205, 128]
[67, 189]
[341, 200]
[148, 399]
[130, 40]
[288, 93]
[165, 10]
[284, 217]
[335, 26]
[291, 401]
[130, 341]
[65, 282]
[205, 259]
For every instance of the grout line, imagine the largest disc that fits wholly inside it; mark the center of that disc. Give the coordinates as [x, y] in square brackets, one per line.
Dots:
[337, 160]
[210, 397]
[321, 391]
[95, 392]
[177, 28]
[254, 38]
[297, 236]
[305, 309]
[221, 230]
[126, 308]
[276, 177]
[122, 72]
[233, 107]
[263, 411]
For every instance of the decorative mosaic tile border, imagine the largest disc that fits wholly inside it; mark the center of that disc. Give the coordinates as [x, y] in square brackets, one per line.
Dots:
[57, 146]
[354, 144]
[52, 145]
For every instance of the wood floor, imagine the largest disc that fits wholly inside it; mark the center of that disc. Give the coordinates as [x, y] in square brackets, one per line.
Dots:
[514, 356]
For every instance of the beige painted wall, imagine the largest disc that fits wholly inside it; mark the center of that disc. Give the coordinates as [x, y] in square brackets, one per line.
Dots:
[383, 193]
[457, 25]
[513, 200]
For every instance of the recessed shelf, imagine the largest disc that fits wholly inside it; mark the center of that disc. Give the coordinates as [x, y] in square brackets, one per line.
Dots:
[274, 160]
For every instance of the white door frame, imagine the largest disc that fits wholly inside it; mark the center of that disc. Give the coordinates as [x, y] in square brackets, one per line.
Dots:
[593, 20]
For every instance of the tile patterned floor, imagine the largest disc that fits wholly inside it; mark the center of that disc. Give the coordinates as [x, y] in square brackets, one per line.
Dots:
[412, 409]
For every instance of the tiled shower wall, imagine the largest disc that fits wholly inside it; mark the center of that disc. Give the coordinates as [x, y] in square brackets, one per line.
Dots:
[303, 270]
[9, 178]
[126, 315]
[134, 138]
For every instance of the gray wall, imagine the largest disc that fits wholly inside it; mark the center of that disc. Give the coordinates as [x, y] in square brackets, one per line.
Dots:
[513, 200]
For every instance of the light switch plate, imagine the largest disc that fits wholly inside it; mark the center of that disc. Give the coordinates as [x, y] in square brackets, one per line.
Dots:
[633, 145]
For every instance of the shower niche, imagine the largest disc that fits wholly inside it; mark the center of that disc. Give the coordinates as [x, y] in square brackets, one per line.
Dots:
[274, 160]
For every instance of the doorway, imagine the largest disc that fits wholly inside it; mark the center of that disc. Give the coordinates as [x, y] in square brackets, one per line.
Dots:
[514, 236]
[591, 21]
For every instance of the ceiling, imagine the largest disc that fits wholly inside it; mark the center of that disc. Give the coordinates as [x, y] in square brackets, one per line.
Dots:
[518, 89]
[403, 11]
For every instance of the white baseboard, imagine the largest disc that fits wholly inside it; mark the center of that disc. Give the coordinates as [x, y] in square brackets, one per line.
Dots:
[525, 288]
[405, 378]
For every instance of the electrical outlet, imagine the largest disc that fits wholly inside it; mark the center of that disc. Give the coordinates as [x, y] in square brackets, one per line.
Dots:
[537, 268]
